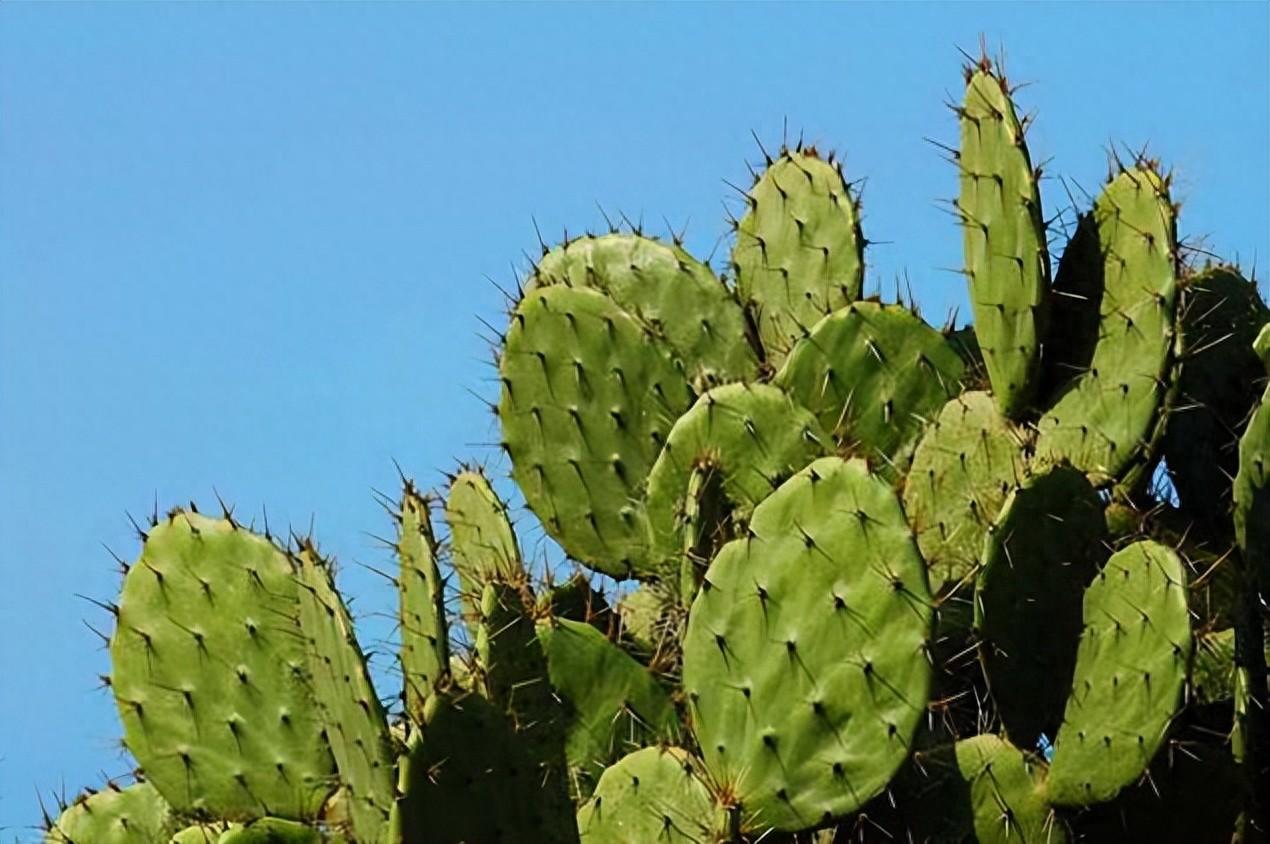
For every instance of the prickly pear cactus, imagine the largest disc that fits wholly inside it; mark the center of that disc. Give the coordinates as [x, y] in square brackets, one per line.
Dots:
[136, 814]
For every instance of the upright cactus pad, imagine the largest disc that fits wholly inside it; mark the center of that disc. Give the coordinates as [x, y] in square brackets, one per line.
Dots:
[874, 375]
[1075, 306]
[751, 435]
[805, 662]
[137, 814]
[799, 252]
[654, 794]
[1103, 421]
[587, 400]
[352, 717]
[1251, 497]
[964, 467]
[1130, 670]
[212, 678]
[614, 704]
[483, 546]
[1043, 550]
[1007, 263]
[665, 288]
[1221, 314]
[425, 647]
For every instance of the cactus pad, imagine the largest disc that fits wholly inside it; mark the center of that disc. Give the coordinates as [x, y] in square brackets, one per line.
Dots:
[1103, 421]
[964, 467]
[425, 651]
[137, 814]
[655, 794]
[805, 661]
[665, 288]
[751, 435]
[1007, 264]
[211, 678]
[1041, 553]
[352, 716]
[614, 704]
[483, 545]
[1252, 499]
[263, 831]
[1213, 667]
[587, 400]
[874, 375]
[1130, 670]
[799, 252]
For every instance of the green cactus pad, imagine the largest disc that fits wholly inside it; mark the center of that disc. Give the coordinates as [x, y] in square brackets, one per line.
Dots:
[614, 704]
[352, 716]
[874, 375]
[1129, 675]
[1252, 499]
[1103, 421]
[211, 678]
[587, 400]
[1075, 303]
[1213, 667]
[137, 814]
[751, 435]
[263, 831]
[483, 545]
[964, 467]
[1221, 314]
[652, 795]
[647, 615]
[1041, 553]
[665, 288]
[983, 789]
[799, 252]
[1007, 264]
[576, 599]
[466, 778]
[425, 651]
[805, 661]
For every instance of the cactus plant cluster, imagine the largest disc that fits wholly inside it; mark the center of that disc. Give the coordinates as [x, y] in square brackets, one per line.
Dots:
[887, 581]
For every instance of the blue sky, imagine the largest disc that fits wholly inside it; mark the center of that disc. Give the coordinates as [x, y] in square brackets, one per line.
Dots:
[244, 247]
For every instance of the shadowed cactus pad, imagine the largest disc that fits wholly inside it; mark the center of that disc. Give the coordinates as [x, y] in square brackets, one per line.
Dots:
[136, 814]
[667, 289]
[1130, 669]
[799, 252]
[588, 397]
[1007, 263]
[805, 662]
[873, 375]
[212, 677]
[964, 467]
[654, 794]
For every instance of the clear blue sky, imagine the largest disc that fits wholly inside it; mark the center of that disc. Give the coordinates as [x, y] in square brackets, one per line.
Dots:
[245, 247]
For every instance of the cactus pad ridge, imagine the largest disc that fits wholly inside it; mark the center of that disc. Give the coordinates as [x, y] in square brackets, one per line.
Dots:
[1130, 670]
[1007, 262]
[805, 663]
[212, 678]
[587, 400]
[799, 251]
[873, 374]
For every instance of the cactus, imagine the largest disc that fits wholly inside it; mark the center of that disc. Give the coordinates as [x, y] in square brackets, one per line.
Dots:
[894, 583]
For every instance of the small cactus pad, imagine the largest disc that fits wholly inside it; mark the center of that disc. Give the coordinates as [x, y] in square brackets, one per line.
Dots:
[805, 662]
[483, 545]
[646, 615]
[1007, 264]
[652, 795]
[665, 288]
[576, 599]
[1130, 670]
[799, 252]
[352, 716]
[614, 704]
[1040, 554]
[1251, 497]
[1074, 310]
[752, 436]
[1221, 313]
[137, 814]
[984, 787]
[874, 375]
[263, 831]
[465, 778]
[964, 467]
[425, 652]
[211, 677]
[1102, 422]
[1213, 667]
[588, 397]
